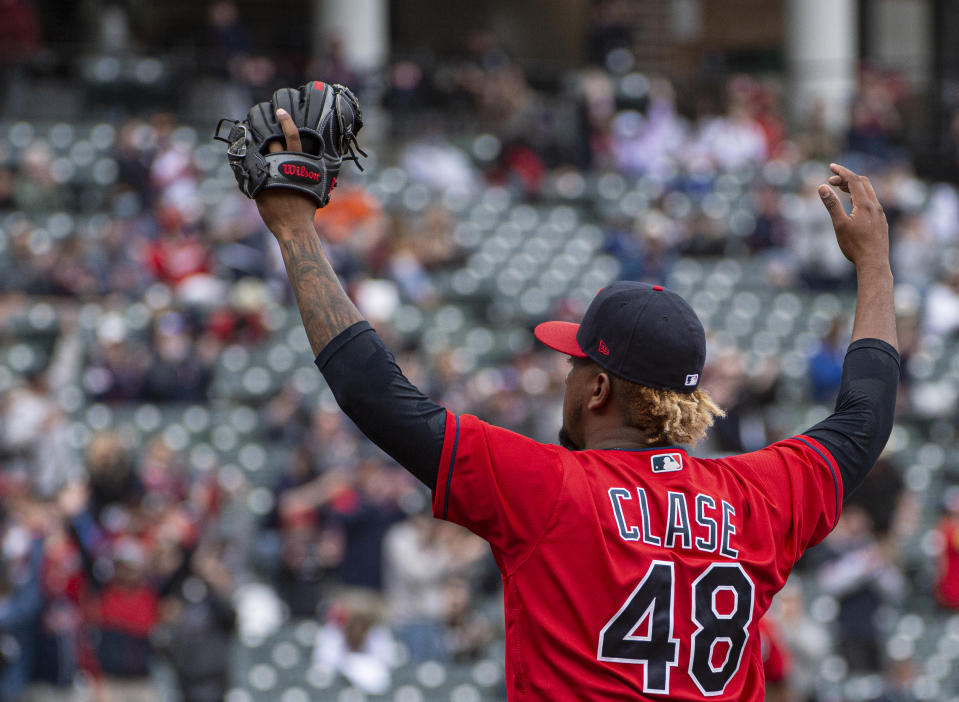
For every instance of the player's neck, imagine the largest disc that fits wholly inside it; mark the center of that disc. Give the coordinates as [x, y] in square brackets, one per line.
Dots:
[617, 436]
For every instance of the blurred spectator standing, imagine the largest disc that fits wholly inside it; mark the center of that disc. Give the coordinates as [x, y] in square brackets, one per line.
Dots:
[469, 629]
[199, 625]
[891, 507]
[62, 648]
[226, 40]
[424, 562]
[734, 140]
[913, 251]
[876, 124]
[771, 231]
[37, 190]
[113, 481]
[20, 605]
[415, 569]
[777, 662]
[825, 365]
[35, 431]
[118, 367]
[807, 641]
[127, 576]
[862, 578]
[179, 372]
[363, 515]
[355, 643]
[303, 548]
[942, 304]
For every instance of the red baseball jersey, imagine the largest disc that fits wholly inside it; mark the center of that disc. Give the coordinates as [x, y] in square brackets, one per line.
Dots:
[635, 574]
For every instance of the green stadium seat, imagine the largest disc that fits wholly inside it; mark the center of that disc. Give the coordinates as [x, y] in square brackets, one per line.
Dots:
[262, 677]
[408, 693]
[431, 674]
[237, 694]
[295, 694]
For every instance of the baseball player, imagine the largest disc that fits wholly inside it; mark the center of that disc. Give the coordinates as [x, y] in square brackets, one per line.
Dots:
[632, 570]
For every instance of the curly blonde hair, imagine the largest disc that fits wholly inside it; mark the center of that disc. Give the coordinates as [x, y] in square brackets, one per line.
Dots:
[666, 416]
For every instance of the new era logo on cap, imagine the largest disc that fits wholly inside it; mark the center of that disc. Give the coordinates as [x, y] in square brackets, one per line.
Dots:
[603, 348]
[666, 462]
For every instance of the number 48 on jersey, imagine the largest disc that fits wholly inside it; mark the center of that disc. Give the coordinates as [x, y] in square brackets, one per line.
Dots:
[717, 645]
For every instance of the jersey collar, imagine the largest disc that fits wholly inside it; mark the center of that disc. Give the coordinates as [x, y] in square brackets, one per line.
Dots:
[661, 449]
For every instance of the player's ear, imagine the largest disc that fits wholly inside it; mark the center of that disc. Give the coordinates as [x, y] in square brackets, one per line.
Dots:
[600, 391]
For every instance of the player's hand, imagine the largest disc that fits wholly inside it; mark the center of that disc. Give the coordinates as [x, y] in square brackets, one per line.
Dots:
[863, 235]
[285, 211]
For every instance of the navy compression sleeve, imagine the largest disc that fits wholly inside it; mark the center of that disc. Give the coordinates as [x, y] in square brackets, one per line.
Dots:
[858, 429]
[372, 391]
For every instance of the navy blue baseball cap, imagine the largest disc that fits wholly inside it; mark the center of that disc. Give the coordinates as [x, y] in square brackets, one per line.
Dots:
[639, 332]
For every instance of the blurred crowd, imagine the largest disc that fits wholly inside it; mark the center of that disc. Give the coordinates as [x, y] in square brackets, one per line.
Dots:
[133, 271]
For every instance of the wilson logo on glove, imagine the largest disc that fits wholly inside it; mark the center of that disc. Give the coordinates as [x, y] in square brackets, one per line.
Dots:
[328, 117]
[300, 170]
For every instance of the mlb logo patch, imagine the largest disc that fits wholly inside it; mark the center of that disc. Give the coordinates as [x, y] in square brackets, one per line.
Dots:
[692, 379]
[666, 462]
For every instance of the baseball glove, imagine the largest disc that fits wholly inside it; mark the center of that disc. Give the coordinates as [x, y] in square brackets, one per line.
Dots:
[328, 117]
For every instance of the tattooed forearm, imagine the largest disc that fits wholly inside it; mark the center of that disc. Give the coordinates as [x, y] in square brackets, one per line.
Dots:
[324, 306]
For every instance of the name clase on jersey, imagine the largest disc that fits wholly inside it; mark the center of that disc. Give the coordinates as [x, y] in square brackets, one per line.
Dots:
[710, 528]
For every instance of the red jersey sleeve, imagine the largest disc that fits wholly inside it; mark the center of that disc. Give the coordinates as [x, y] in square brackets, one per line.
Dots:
[499, 485]
[800, 480]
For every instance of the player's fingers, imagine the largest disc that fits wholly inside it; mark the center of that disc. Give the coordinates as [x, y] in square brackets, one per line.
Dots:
[274, 146]
[290, 133]
[863, 196]
[842, 171]
[833, 206]
[870, 191]
[839, 183]
[855, 183]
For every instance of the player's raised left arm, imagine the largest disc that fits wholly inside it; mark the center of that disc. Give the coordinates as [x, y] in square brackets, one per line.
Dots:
[360, 370]
[325, 308]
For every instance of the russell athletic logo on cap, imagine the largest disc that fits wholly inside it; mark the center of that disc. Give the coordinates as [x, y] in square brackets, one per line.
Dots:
[666, 462]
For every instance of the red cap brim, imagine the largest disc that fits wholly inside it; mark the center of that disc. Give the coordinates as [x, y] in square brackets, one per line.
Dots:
[560, 336]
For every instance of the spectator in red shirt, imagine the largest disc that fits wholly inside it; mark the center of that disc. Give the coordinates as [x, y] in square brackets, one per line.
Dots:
[122, 600]
[777, 663]
[19, 31]
[947, 581]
